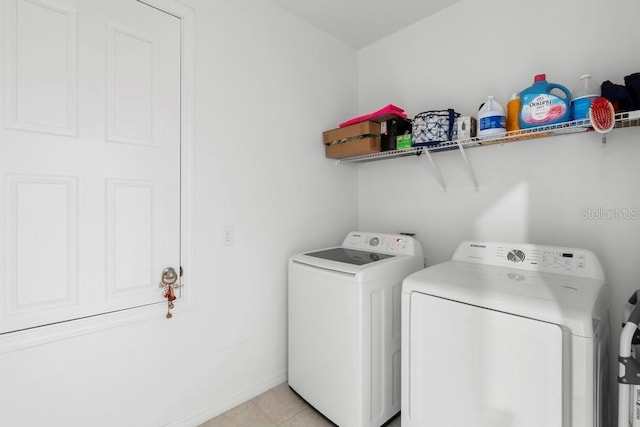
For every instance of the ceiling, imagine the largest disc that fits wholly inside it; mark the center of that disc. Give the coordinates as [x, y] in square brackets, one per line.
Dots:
[362, 22]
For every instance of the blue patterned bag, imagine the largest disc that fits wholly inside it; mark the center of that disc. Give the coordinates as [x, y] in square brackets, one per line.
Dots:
[434, 127]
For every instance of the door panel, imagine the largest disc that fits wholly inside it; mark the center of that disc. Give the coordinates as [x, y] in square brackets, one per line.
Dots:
[89, 158]
[54, 282]
[131, 227]
[41, 68]
[130, 88]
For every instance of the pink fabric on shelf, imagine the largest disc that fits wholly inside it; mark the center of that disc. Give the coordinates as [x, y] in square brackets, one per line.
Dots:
[383, 113]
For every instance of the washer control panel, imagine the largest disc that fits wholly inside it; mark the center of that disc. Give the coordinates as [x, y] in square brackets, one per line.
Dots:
[569, 260]
[551, 259]
[376, 242]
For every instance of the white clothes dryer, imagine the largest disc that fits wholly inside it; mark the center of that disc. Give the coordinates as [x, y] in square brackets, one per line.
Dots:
[344, 326]
[506, 335]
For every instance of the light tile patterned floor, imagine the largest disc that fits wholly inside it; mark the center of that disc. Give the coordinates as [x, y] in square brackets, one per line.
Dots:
[274, 408]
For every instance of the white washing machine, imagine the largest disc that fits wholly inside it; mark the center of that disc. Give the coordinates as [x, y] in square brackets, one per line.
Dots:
[506, 335]
[344, 326]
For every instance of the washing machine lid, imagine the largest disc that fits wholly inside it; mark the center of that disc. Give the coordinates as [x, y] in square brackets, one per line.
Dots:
[569, 301]
[349, 256]
[344, 260]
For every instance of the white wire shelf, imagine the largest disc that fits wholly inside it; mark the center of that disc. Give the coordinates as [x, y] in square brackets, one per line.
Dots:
[622, 120]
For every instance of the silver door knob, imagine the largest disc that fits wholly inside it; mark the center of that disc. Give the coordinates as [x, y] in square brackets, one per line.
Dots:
[169, 277]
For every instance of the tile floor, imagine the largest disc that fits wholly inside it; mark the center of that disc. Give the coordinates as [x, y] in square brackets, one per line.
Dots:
[276, 407]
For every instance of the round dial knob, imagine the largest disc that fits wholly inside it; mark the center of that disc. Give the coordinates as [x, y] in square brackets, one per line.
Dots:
[374, 241]
[515, 255]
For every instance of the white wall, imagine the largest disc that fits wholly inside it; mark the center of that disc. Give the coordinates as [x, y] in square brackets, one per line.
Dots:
[534, 191]
[267, 85]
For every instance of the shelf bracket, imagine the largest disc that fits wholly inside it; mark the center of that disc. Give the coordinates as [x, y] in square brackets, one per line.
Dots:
[472, 174]
[436, 171]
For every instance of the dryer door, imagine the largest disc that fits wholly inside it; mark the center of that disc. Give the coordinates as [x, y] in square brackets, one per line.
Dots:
[469, 366]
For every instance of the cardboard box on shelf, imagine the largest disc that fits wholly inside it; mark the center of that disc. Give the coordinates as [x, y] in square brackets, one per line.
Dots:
[352, 140]
[351, 131]
[352, 148]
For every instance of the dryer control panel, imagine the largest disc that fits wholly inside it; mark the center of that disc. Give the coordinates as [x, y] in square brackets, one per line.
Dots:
[398, 244]
[551, 259]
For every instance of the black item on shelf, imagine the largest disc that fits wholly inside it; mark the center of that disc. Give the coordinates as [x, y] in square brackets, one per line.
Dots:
[394, 127]
[632, 82]
[618, 95]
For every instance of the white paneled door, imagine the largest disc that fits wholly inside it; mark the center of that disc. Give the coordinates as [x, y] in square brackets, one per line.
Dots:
[89, 158]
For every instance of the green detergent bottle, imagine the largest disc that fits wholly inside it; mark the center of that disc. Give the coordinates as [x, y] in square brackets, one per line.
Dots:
[540, 107]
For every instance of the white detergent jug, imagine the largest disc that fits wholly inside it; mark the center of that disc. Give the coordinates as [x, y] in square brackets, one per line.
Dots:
[491, 118]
